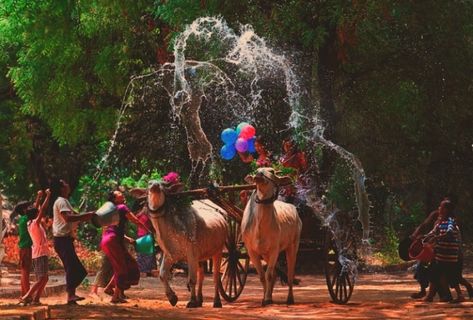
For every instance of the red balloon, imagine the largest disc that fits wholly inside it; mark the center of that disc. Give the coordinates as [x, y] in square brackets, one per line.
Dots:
[247, 132]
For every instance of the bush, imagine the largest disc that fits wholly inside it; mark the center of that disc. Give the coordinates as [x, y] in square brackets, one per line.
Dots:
[12, 252]
[408, 219]
[341, 187]
[388, 253]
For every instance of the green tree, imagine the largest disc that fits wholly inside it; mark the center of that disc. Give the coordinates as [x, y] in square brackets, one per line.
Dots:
[67, 65]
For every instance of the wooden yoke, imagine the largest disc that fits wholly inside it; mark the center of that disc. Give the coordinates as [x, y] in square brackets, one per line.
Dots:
[215, 194]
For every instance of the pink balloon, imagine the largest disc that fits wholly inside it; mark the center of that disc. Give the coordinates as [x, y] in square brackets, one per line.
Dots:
[247, 132]
[241, 145]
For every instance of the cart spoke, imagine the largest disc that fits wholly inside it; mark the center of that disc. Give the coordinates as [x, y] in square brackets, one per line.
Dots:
[239, 278]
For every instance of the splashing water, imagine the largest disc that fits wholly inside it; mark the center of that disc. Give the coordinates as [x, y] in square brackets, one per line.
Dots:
[230, 75]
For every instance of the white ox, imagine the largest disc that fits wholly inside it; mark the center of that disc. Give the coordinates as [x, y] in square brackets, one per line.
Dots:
[187, 232]
[269, 227]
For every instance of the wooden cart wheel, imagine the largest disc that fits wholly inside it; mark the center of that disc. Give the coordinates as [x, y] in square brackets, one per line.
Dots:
[340, 281]
[235, 262]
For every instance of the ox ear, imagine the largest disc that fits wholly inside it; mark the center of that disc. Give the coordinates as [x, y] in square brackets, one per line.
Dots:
[284, 181]
[175, 187]
[138, 193]
[250, 179]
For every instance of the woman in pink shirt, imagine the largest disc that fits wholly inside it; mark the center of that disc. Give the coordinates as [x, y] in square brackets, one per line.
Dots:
[40, 252]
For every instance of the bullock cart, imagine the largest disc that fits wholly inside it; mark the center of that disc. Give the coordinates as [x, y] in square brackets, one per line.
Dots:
[315, 238]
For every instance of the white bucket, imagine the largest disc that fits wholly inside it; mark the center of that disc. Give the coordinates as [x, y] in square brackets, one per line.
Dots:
[107, 215]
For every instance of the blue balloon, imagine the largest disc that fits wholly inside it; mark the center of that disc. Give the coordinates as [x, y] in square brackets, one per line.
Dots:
[251, 145]
[229, 136]
[228, 151]
[241, 126]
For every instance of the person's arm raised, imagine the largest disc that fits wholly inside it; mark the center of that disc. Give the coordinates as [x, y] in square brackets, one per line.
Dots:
[45, 204]
[39, 195]
[424, 225]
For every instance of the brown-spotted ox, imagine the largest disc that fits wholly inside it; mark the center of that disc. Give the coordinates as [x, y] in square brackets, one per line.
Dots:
[269, 227]
[188, 232]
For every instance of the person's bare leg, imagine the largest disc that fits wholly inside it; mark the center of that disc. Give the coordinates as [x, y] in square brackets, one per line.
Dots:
[28, 297]
[109, 289]
[118, 295]
[39, 292]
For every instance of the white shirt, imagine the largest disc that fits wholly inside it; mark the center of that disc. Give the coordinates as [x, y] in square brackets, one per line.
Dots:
[62, 228]
[40, 240]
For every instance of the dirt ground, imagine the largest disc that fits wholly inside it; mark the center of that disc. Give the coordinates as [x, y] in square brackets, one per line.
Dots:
[376, 296]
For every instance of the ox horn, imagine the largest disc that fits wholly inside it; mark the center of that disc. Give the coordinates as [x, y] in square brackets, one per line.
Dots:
[250, 179]
[138, 193]
[176, 187]
[279, 180]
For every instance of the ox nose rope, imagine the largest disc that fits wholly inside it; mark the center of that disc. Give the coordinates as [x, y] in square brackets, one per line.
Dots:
[156, 213]
[270, 200]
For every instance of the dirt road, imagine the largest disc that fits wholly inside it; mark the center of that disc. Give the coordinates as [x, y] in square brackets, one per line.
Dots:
[376, 296]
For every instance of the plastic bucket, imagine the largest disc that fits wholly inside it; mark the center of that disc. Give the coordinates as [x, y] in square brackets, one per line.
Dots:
[145, 244]
[422, 251]
[106, 215]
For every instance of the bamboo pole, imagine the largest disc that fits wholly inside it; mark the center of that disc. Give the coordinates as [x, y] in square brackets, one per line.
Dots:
[203, 192]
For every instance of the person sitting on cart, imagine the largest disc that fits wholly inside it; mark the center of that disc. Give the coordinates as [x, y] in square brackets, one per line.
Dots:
[295, 159]
[445, 270]
[264, 158]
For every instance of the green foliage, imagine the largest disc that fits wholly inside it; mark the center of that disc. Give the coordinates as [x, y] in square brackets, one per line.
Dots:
[73, 61]
[407, 221]
[340, 191]
[89, 235]
[388, 253]
[64, 66]
[54, 263]
[181, 12]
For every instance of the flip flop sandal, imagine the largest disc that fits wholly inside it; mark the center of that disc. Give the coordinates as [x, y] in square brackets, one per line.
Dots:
[71, 302]
[108, 292]
[25, 302]
[77, 298]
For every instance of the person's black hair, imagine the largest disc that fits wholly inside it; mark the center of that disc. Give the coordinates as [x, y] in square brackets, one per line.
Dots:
[111, 196]
[21, 207]
[55, 186]
[452, 198]
[449, 206]
[31, 212]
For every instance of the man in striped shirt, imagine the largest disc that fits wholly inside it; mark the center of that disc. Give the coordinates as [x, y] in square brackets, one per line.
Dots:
[447, 251]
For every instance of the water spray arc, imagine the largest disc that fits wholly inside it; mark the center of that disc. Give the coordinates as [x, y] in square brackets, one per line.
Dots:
[231, 80]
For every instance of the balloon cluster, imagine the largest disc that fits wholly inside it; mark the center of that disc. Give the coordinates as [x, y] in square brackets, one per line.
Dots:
[242, 140]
